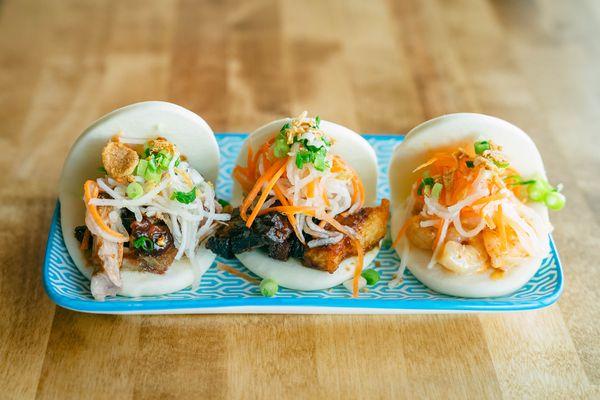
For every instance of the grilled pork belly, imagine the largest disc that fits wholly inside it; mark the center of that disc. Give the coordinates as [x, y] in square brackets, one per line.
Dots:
[108, 258]
[369, 223]
[274, 234]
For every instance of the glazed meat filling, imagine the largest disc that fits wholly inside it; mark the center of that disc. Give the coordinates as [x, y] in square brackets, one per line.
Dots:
[271, 232]
[274, 234]
[151, 247]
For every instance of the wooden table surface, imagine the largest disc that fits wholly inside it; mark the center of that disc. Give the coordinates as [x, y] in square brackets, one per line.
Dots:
[375, 66]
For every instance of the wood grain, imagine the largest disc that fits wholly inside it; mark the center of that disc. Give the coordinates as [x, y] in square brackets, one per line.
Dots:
[375, 66]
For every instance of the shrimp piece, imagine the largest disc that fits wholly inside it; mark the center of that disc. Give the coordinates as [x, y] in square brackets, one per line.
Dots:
[423, 237]
[504, 258]
[462, 258]
[420, 237]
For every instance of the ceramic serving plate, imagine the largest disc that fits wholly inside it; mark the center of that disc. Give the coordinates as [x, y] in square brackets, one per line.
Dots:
[222, 292]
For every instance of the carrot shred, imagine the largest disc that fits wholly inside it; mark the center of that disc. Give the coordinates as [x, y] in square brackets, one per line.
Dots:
[488, 199]
[250, 170]
[310, 188]
[425, 164]
[337, 166]
[360, 260]
[240, 174]
[257, 187]
[402, 231]
[233, 271]
[360, 253]
[90, 191]
[284, 202]
[265, 192]
[326, 199]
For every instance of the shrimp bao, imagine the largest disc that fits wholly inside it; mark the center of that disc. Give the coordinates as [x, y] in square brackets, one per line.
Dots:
[462, 220]
[137, 200]
[305, 192]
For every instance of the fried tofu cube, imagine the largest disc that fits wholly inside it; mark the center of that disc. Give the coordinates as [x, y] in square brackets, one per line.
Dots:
[119, 160]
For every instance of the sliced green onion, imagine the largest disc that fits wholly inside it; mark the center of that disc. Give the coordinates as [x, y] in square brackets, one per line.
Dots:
[268, 287]
[184, 197]
[555, 200]
[317, 121]
[425, 183]
[436, 190]
[371, 276]
[537, 191]
[144, 243]
[134, 190]
[140, 169]
[285, 127]
[481, 146]
[502, 164]
[319, 159]
[102, 170]
[223, 203]
[303, 157]
[165, 160]
[152, 167]
[470, 164]
[280, 147]
[152, 176]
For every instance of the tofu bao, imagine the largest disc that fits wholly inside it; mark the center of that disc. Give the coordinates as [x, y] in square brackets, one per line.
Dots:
[470, 205]
[306, 217]
[138, 202]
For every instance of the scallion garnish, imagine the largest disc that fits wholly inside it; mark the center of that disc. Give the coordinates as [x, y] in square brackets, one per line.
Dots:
[285, 127]
[140, 169]
[436, 190]
[144, 244]
[134, 190]
[280, 147]
[555, 200]
[223, 203]
[481, 146]
[426, 182]
[184, 197]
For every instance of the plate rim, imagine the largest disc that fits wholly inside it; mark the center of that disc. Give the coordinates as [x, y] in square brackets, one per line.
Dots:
[261, 304]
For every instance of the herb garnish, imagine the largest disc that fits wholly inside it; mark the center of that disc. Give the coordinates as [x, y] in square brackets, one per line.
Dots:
[143, 243]
[184, 197]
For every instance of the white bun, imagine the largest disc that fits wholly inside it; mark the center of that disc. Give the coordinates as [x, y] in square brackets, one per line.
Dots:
[449, 132]
[349, 145]
[358, 153]
[147, 120]
[293, 275]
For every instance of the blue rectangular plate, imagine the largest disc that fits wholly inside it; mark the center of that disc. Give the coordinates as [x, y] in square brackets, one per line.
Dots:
[221, 292]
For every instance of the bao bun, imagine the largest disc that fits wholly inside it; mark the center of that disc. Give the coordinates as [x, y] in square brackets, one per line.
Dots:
[147, 120]
[450, 132]
[357, 152]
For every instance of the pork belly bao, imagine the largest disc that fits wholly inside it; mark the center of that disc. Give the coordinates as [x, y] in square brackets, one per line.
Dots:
[305, 190]
[146, 215]
[149, 210]
[470, 205]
